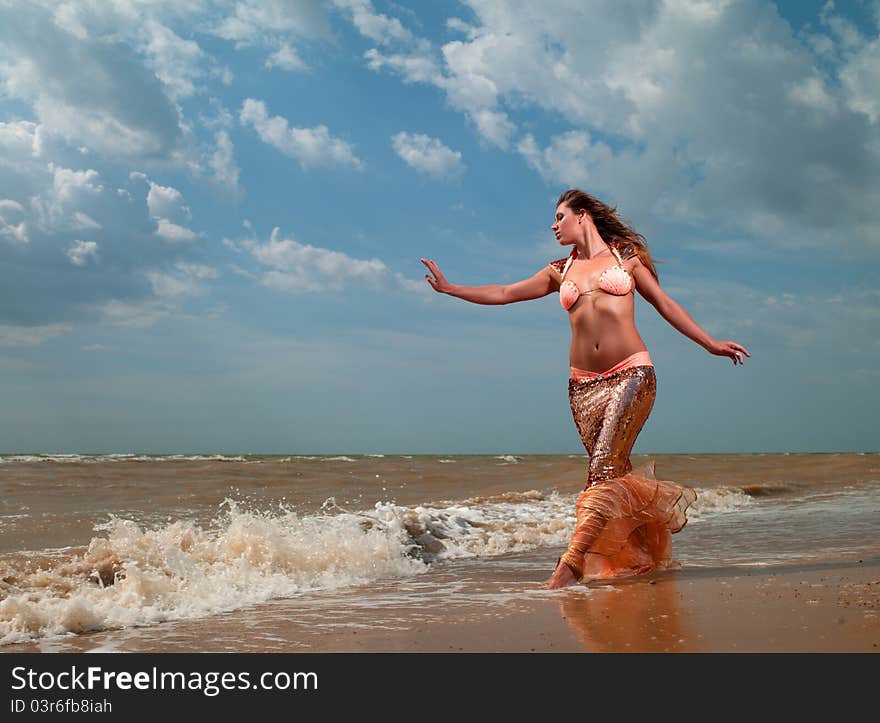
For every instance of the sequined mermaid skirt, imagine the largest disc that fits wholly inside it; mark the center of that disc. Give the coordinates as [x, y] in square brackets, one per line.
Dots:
[625, 518]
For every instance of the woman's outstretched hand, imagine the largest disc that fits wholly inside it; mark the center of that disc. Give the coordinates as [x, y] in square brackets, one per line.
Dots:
[438, 281]
[729, 348]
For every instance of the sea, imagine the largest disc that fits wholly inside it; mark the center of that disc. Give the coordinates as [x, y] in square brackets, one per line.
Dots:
[132, 552]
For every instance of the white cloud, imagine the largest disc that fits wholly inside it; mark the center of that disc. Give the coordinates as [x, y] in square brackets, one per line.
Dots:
[83, 222]
[223, 163]
[861, 79]
[222, 118]
[81, 251]
[10, 212]
[175, 61]
[666, 123]
[173, 232]
[168, 209]
[812, 93]
[59, 208]
[428, 155]
[571, 158]
[842, 30]
[167, 202]
[18, 140]
[300, 268]
[671, 127]
[252, 21]
[376, 26]
[93, 91]
[70, 185]
[494, 126]
[297, 267]
[310, 146]
[285, 58]
[414, 67]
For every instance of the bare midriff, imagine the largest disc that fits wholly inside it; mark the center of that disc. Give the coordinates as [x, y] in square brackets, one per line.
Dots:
[603, 331]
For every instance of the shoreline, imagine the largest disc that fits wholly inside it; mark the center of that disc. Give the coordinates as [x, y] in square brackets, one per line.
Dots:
[818, 607]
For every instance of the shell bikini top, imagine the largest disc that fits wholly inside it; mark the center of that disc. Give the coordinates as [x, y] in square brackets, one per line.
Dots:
[614, 280]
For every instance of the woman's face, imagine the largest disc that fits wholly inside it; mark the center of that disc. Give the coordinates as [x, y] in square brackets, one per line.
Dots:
[565, 226]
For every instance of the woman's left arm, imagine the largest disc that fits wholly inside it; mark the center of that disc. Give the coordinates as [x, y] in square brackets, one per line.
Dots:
[672, 311]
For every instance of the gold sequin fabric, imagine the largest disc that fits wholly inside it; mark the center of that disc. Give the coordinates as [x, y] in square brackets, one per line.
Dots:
[609, 413]
[624, 518]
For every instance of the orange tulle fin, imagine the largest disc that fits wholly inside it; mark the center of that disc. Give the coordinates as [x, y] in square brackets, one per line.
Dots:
[624, 525]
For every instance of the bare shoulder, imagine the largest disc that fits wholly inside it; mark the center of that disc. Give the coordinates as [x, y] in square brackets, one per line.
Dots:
[554, 269]
[626, 250]
[630, 257]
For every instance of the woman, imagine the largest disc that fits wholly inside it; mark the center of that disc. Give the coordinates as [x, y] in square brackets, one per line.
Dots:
[624, 519]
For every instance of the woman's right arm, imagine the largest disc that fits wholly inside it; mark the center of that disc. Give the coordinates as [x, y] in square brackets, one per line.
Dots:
[536, 287]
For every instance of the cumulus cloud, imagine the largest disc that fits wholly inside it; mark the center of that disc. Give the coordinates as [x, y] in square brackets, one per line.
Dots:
[92, 91]
[168, 210]
[81, 251]
[167, 202]
[176, 62]
[19, 140]
[861, 78]
[275, 25]
[428, 155]
[667, 134]
[173, 232]
[180, 63]
[300, 268]
[60, 219]
[570, 157]
[253, 20]
[60, 207]
[285, 58]
[312, 147]
[414, 67]
[376, 26]
[10, 212]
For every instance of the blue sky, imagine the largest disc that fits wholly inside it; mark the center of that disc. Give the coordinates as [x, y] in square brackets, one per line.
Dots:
[212, 213]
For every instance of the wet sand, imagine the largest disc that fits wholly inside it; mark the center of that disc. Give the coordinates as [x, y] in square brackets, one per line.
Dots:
[831, 607]
[823, 609]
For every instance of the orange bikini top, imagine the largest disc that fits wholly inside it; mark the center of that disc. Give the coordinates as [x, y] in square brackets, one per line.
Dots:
[614, 280]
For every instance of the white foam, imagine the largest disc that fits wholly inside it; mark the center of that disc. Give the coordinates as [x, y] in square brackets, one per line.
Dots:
[509, 458]
[719, 500]
[181, 570]
[94, 458]
[340, 458]
[484, 527]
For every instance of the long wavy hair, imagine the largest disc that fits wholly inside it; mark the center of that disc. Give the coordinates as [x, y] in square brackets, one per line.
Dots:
[611, 228]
